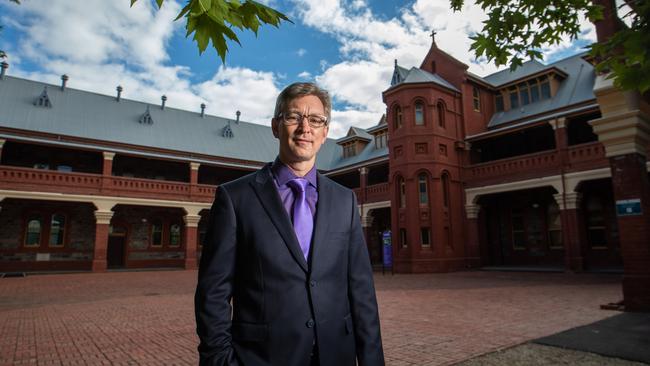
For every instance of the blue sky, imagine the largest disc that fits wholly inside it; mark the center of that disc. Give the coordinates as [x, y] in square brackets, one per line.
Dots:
[347, 46]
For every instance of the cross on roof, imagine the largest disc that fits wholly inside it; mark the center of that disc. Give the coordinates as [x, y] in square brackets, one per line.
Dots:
[433, 35]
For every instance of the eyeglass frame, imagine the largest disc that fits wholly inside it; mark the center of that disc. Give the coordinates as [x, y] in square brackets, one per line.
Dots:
[302, 118]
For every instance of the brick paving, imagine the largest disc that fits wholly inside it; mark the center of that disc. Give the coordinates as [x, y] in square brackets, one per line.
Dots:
[146, 318]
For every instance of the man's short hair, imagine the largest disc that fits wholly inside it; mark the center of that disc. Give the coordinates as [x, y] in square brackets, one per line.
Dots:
[297, 90]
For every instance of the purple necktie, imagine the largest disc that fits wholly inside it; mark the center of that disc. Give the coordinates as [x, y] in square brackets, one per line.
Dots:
[303, 221]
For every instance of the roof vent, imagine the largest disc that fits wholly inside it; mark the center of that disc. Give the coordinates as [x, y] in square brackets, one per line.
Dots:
[227, 132]
[119, 92]
[43, 100]
[64, 81]
[146, 119]
[238, 113]
[164, 99]
[3, 69]
[202, 110]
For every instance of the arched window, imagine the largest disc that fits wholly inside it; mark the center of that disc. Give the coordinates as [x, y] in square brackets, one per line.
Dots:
[57, 230]
[33, 234]
[174, 235]
[423, 189]
[445, 189]
[156, 233]
[397, 117]
[441, 114]
[419, 113]
[401, 191]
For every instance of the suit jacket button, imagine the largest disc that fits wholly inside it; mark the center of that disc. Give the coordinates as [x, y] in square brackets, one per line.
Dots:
[312, 283]
[310, 323]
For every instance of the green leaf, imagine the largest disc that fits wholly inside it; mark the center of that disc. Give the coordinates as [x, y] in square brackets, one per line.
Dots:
[133, 2]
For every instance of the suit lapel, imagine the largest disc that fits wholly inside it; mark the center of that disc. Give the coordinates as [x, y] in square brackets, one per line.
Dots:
[268, 194]
[323, 208]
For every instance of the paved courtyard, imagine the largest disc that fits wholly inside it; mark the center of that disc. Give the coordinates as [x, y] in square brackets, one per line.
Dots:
[146, 318]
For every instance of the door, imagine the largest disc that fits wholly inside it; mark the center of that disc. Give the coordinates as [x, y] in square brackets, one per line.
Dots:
[115, 258]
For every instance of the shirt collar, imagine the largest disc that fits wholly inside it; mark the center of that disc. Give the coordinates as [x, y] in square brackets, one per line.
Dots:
[283, 174]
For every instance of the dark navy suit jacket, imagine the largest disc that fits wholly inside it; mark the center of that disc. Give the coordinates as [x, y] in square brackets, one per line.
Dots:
[281, 305]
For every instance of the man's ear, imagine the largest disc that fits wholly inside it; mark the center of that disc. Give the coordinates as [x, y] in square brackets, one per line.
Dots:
[274, 127]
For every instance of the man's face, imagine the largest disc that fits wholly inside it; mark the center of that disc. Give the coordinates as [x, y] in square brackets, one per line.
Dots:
[301, 142]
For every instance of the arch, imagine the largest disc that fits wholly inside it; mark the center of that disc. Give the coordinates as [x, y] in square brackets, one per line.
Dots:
[446, 193]
[33, 231]
[423, 179]
[400, 183]
[419, 112]
[397, 117]
[441, 108]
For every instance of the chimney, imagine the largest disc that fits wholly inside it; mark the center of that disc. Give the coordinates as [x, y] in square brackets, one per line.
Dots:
[202, 110]
[119, 92]
[238, 113]
[64, 81]
[3, 71]
[164, 99]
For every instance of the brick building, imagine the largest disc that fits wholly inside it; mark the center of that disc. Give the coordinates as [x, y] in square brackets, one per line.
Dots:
[465, 171]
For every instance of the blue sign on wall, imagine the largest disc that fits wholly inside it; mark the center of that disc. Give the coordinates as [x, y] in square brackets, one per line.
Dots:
[388, 248]
[628, 207]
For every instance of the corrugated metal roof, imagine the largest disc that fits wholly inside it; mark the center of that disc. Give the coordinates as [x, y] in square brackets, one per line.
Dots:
[87, 115]
[416, 75]
[576, 88]
[506, 76]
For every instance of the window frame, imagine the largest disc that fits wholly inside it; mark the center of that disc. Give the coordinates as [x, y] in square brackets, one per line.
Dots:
[441, 109]
[63, 234]
[398, 118]
[419, 104]
[30, 218]
[423, 181]
[171, 235]
[152, 233]
[476, 99]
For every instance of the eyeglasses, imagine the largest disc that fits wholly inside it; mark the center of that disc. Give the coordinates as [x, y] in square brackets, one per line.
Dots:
[294, 118]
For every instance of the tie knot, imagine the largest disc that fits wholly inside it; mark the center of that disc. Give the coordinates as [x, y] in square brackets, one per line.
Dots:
[298, 184]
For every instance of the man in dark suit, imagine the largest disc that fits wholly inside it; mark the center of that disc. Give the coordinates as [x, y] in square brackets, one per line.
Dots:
[285, 245]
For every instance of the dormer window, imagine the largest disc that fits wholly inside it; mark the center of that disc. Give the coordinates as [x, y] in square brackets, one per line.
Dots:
[525, 92]
[381, 140]
[43, 100]
[348, 150]
[146, 118]
[227, 132]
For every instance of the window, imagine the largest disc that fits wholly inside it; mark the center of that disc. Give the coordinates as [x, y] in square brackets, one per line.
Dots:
[423, 189]
[441, 114]
[402, 237]
[156, 233]
[397, 117]
[348, 150]
[174, 235]
[554, 223]
[381, 140]
[57, 230]
[523, 94]
[498, 100]
[514, 98]
[445, 189]
[545, 88]
[419, 113]
[534, 90]
[33, 234]
[425, 237]
[518, 230]
[401, 187]
[476, 98]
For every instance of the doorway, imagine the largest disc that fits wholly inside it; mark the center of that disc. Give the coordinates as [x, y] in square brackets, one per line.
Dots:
[115, 256]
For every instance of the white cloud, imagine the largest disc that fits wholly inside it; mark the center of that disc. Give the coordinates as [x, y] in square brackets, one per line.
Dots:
[304, 75]
[117, 45]
[368, 46]
[301, 52]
